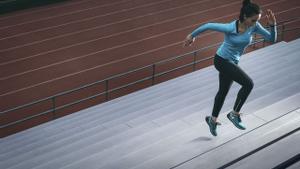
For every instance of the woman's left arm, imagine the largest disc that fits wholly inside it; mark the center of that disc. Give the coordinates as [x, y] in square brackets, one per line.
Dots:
[270, 36]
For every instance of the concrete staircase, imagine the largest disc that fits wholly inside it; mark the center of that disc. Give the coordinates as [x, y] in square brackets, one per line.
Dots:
[163, 126]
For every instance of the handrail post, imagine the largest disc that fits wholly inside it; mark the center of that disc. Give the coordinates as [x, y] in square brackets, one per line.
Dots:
[255, 40]
[194, 62]
[282, 32]
[54, 107]
[106, 90]
[153, 74]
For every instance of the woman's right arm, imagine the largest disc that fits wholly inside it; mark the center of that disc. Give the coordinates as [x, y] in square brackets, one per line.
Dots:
[219, 27]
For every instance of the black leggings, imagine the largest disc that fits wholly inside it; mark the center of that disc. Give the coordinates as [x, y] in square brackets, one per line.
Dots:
[229, 72]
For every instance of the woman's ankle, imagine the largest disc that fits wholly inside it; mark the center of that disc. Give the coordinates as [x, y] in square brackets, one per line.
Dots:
[235, 112]
[214, 118]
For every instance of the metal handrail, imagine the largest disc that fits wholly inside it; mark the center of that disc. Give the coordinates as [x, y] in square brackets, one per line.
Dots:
[107, 90]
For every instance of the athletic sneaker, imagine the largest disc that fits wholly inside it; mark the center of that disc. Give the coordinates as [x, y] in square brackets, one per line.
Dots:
[212, 125]
[236, 120]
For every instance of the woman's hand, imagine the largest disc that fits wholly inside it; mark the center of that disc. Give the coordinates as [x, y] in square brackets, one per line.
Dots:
[271, 17]
[188, 40]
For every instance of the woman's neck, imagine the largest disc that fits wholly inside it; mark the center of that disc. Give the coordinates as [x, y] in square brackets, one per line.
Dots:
[242, 27]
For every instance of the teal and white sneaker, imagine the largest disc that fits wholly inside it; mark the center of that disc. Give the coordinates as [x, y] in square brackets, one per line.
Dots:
[212, 125]
[236, 120]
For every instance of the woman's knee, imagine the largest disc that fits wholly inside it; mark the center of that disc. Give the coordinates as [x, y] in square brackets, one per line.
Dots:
[249, 85]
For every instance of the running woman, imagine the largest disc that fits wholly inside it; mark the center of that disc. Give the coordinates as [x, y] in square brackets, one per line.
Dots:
[238, 35]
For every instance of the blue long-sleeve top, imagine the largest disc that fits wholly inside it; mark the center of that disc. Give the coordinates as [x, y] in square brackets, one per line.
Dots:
[234, 42]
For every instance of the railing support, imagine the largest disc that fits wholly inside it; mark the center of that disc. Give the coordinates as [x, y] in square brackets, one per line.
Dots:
[282, 32]
[54, 108]
[254, 45]
[194, 63]
[153, 74]
[106, 90]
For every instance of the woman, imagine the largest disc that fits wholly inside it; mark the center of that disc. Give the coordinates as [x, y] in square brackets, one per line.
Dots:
[238, 35]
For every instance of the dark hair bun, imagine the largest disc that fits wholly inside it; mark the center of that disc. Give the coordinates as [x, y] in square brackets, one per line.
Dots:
[246, 2]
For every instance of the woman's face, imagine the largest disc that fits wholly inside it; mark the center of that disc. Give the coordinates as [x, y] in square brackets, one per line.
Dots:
[251, 21]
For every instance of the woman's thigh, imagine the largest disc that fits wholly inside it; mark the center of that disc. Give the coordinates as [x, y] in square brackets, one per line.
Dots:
[233, 71]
